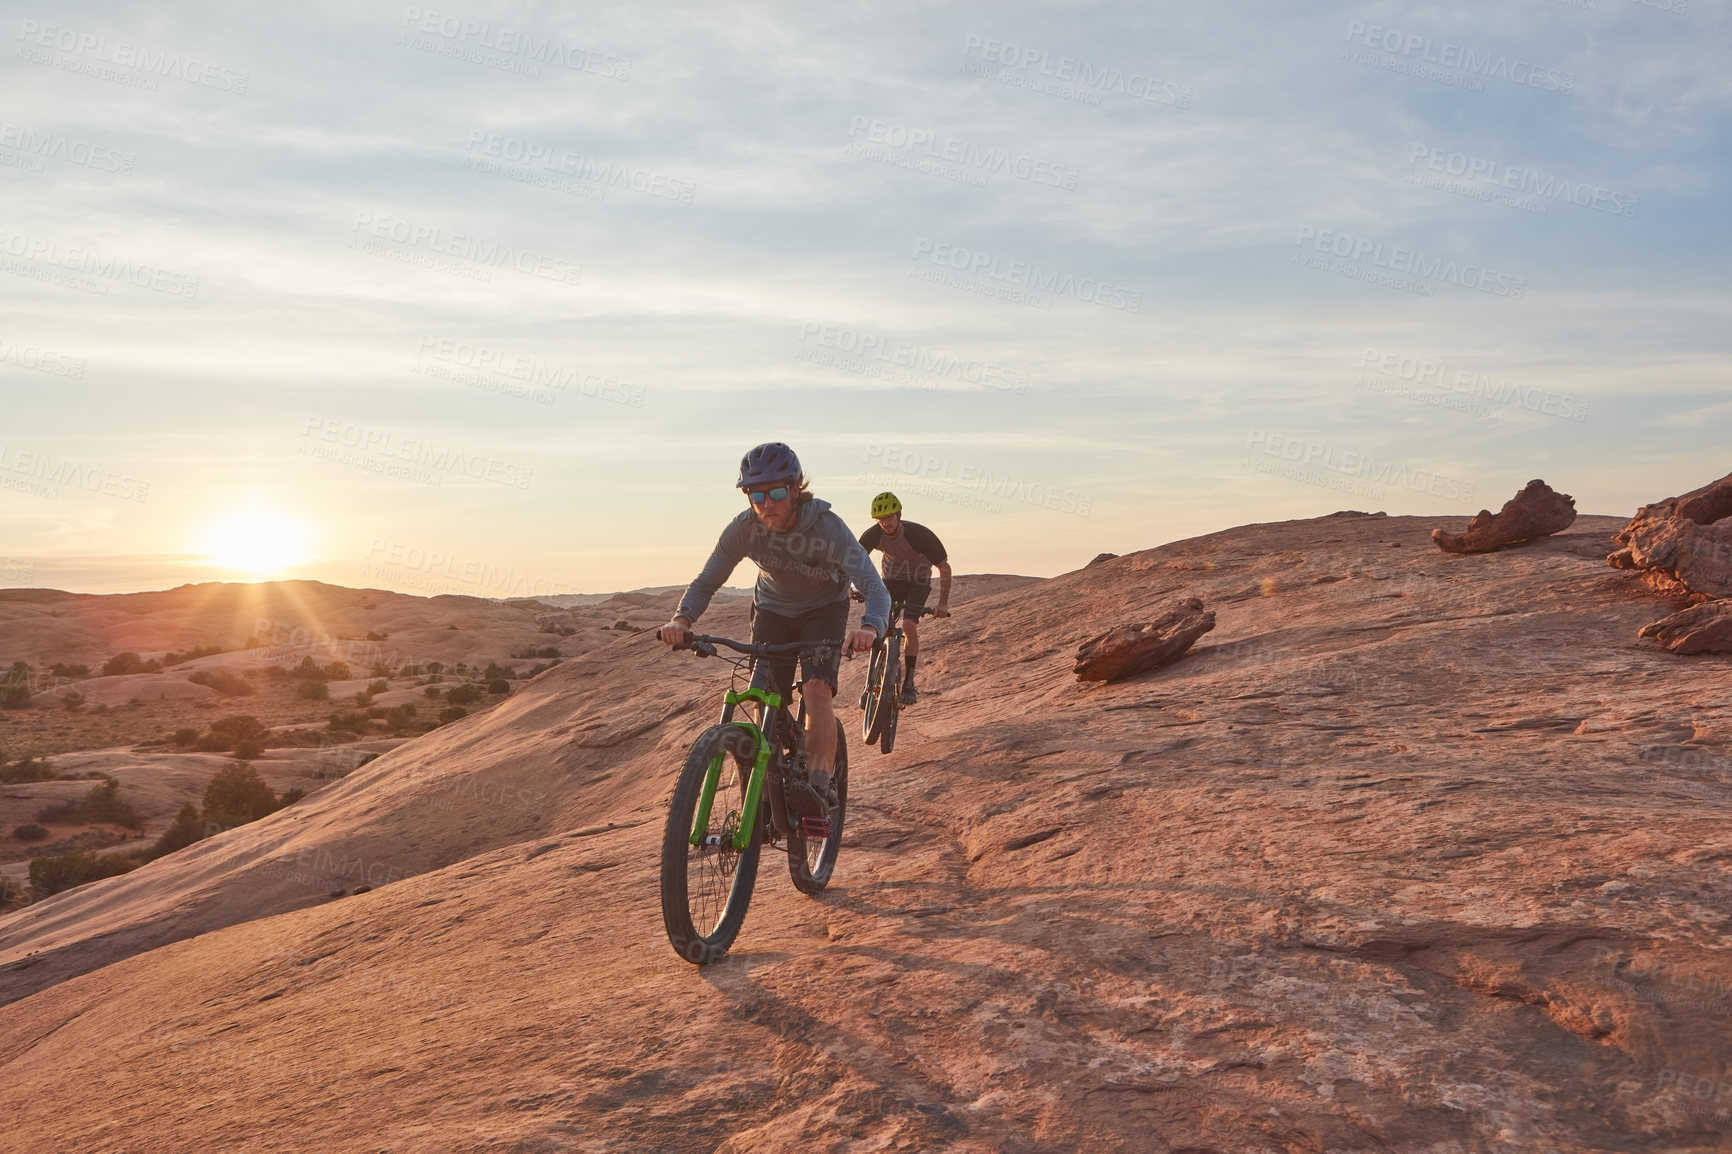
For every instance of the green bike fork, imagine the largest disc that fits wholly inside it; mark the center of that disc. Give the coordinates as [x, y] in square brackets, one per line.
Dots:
[760, 770]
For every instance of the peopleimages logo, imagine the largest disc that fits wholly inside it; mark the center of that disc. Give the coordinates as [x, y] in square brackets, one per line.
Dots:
[1023, 274]
[1421, 372]
[515, 42]
[89, 262]
[1488, 179]
[434, 242]
[41, 360]
[1089, 78]
[908, 355]
[88, 47]
[973, 159]
[1467, 61]
[1306, 455]
[1411, 262]
[54, 146]
[564, 162]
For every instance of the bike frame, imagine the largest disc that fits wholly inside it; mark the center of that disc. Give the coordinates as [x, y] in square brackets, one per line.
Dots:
[771, 709]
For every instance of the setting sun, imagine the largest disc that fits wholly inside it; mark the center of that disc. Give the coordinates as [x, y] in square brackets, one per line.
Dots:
[260, 542]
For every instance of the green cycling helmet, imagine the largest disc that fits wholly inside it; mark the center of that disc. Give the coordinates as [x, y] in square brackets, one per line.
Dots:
[884, 504]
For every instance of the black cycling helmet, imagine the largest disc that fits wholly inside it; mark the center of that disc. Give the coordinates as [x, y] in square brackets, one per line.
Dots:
[771, 461]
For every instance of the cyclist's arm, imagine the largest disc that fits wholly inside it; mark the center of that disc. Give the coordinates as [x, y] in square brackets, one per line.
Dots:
[943, 568]
[730, 550]
[857, 563]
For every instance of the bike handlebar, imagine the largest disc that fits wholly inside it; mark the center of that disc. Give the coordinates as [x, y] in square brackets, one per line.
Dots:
[704, 644]
[897, 608]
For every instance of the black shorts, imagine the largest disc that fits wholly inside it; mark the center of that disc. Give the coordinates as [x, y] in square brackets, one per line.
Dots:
[829, 623]
[912, 595]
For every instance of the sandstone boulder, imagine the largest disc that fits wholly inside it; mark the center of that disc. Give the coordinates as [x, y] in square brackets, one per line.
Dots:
[1536, 511]
[1686, 540]
[1704, 628]
[1128, 650]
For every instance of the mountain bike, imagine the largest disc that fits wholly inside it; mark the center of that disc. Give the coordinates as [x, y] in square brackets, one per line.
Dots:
[884, 680]
[718, 822]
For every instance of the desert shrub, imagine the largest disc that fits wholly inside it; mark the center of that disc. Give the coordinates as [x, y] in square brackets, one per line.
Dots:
[363, 699]
[238, 726]
[103, 803]
[192, 654]
[52, 875]
[435, 667]
[70, 670]
[60, 811]
[313, 691]
[347, 722]
[499, 685]
[374, 635]
[29, 831]
[409, 671]
[381, 670]
[214, 743]
[452, 713]
[29, 769]
[377, 711]
[226, 684]
[185, 735]
[291, 796]
[236, 796]
[379, 685]
[124, 663]
[248, 748]
[433, 691]
[182, 832]
[463, 695]
[72, 699]
[400, 717]
[14, 696]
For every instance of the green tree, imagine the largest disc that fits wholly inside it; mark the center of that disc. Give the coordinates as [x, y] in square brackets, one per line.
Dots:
[185, 829]
[237, 795]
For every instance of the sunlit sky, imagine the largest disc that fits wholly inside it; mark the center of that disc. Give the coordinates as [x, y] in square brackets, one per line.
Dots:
[490, 299]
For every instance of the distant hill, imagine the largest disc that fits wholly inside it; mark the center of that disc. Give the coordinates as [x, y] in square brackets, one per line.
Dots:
[1415, 851]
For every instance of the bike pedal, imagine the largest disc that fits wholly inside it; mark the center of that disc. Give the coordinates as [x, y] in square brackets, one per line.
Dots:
[817, 828]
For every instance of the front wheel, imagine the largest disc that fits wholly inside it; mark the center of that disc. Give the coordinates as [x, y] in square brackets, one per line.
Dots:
[707, 886]
[884, 683]
[811, 860]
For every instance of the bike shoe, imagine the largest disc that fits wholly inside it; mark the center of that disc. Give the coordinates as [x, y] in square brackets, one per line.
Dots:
[908, 696]
[806, 801]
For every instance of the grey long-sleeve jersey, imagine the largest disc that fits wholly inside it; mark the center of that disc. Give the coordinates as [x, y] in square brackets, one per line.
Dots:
[805, 568]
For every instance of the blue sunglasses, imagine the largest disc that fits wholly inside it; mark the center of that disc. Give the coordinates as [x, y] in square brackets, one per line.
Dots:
[759, 496]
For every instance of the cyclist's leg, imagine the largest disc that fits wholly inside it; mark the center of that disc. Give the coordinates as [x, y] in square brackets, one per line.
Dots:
[915, 597]
[830, 622]
[775, 674]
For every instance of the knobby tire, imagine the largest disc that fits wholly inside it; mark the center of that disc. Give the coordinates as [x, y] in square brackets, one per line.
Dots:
[705, 889]
[809, 865]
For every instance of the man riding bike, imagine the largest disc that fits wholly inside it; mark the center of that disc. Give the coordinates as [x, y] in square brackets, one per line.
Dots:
[806, 558]
[911, 552]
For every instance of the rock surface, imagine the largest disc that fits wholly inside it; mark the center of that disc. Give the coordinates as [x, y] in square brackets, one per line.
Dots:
[1686, 539]
[1704, 628]
[1409, 856]
[1127, 650]
[1537, 511]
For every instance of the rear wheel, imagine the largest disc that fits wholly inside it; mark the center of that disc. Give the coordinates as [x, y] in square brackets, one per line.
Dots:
[811, 860]
[706, 887]
[885, 684]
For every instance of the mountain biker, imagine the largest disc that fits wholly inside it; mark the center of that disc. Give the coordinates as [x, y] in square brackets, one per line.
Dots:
[911, 552]
[806, 557]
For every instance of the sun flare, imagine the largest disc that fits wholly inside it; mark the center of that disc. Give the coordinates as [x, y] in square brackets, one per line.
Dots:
[259, 542]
